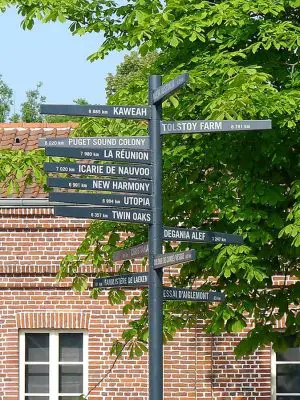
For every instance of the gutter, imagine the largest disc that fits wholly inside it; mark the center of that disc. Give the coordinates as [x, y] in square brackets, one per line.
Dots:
[25, 203]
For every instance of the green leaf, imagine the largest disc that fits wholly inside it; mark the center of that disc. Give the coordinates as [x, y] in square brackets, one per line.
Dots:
[80, 283]
[174, 41]
[236, 325]
[174, 101]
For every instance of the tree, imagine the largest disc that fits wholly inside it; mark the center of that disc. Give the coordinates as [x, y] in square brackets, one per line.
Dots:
[243, 58]
[15, 117]
[128, 71]
[81, 101]
[30, 109]
[6, 101]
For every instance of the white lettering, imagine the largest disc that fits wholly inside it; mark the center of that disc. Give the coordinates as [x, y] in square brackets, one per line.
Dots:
[131, 186]
[108, 154]
[210, 125]
[130, 111]
[198, 235]
[122, 215]
[111, 169]
[134, 171]
[136, 201]
[176, 234]
[131, 155]
[98, 184]
[90, 169]
[143, 217]
[104, 141]
[79, 141]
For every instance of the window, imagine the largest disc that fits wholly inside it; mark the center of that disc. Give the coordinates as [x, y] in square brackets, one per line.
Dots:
[53, 365]
[286, 373]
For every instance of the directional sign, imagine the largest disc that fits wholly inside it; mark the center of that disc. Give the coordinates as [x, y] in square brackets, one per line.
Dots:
[130, 171]
[195, 235]
[179, 257]
[111, 200]
[105, 214]
[213, 126]
[139, 251]
[128, 112]
[181, 294]
[169, 88]
[139, 279]
[133, 156]
[134, 142]
[113, 185]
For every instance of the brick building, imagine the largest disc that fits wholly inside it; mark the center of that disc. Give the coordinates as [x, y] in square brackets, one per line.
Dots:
[55, 344]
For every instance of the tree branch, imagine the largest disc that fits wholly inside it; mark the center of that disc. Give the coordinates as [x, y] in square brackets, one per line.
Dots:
[106, 374]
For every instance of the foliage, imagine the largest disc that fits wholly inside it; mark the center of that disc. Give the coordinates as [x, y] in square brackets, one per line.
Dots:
[128, 71]
[6, 95]
[19, 168]
[243, 58]
[30, 109]
[15, 117]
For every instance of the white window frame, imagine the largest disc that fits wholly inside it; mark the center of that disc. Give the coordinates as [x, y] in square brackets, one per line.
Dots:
[53, 361]
[274, 374]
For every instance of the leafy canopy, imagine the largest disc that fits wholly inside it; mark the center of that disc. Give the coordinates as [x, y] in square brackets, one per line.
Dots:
[30, 109]
[243, 58]
[6, 99]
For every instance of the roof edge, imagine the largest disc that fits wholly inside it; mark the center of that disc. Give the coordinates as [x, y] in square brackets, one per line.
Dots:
[70, 124]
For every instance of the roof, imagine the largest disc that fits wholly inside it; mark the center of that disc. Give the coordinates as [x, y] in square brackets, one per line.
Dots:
[25, 136]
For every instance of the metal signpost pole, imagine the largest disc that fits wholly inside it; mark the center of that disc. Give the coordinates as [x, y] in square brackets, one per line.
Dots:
[155, 248]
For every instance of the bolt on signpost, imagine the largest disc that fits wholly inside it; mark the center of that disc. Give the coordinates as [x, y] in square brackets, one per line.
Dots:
[137, 198]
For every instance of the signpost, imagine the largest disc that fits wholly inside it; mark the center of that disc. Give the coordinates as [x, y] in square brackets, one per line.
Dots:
[166, 90]
[110, 142]
[155, 296]
[133, 156]
[127, 112]
[182, 294]
[213, 126]
[113, 185]
[169, 293]
[128, 280]
[105, 214]
[140, 200]
[120, 200]
[130, 171]
[139, 251]
[195, 235]
[179, 257]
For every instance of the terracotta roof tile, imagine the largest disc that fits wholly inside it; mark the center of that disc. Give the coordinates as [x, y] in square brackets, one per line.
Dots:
[25, 136]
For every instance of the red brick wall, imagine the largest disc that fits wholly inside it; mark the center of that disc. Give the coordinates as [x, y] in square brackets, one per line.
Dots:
[197, 366]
